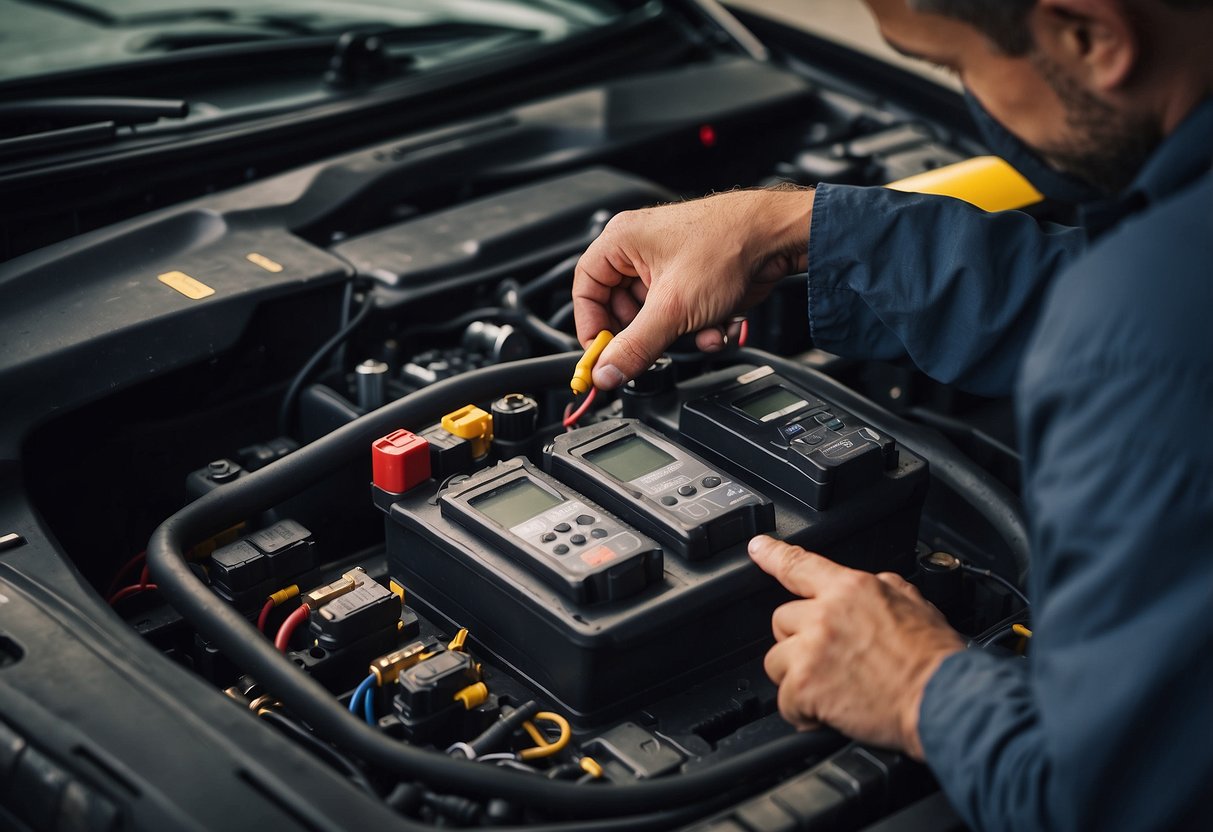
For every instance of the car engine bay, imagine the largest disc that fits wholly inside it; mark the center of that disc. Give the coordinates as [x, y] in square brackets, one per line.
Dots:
[532, 616]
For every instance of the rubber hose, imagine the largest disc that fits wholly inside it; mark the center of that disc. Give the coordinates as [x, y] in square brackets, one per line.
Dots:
[250, 651]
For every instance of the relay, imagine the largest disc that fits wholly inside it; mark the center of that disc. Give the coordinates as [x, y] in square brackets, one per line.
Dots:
[430, 686]
[368, 608]
[253, 567]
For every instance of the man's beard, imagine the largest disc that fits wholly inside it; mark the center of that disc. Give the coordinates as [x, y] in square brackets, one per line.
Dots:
[1106, 147]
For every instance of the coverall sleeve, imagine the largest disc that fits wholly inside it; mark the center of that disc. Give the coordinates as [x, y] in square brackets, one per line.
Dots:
[1109, 724]
[955, 289]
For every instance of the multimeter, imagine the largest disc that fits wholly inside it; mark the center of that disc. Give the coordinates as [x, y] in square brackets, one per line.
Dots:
[811, 450]
[690, 506]
[574, 545]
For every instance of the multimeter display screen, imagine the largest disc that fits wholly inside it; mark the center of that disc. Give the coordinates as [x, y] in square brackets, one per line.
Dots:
[513, 503]
[766, 402]
[629, 458]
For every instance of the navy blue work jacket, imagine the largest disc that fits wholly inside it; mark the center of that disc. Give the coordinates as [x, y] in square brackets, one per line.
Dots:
[1104, 334]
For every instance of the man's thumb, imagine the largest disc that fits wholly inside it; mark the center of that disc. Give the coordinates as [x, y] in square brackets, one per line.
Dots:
[633, 350]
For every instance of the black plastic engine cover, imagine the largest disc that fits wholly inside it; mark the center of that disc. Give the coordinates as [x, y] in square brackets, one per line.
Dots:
[505, 226]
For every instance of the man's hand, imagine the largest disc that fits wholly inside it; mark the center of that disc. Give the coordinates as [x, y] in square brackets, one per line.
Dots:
[654, 275]
[856, 653]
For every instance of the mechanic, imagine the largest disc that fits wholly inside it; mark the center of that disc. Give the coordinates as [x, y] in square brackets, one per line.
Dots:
[1101, 333]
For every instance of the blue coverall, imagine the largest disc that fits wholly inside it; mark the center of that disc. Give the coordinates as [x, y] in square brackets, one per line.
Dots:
[1104, 334]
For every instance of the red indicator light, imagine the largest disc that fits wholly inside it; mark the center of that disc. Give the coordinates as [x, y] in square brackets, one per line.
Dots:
[707, 135]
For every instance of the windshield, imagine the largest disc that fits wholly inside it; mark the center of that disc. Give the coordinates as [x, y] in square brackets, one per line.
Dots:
[50, 37]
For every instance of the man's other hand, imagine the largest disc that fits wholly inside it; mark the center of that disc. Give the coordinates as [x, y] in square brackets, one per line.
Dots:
[656, 274]
[856, 651]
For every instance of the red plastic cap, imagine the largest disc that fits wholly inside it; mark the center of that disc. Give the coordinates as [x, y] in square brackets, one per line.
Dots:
[400, 461]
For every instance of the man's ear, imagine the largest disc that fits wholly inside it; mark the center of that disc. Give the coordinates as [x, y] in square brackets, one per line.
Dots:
[1094, 40]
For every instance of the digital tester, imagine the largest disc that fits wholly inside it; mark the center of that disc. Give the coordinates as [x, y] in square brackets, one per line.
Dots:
[608, 562]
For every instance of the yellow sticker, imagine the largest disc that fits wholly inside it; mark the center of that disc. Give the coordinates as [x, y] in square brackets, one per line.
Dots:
[264, 262]
[186, 285]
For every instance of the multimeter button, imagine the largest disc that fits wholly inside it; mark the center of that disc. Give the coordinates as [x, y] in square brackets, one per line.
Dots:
[822, 418]
[562, 527]
[834, 424]
[686, 490]
[791, 430]
[584, 520]
[669, 500]
[578, 539]
[548, 537]
[560, 549]
[598, 533]
[711, 482]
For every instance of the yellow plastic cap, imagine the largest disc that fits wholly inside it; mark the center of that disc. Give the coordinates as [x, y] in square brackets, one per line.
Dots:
[473, 424]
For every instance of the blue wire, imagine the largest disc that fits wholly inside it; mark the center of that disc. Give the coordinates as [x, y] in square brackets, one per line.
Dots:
[362, 690]
[368, 702]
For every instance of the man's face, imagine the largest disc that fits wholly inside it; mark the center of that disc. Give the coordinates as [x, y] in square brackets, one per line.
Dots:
[1033, 95]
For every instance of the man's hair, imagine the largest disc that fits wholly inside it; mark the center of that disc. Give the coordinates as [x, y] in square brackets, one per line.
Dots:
[1005, 22]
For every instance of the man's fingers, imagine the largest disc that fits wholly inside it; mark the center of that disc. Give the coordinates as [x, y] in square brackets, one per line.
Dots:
[777, 661]
[895, 581]
[710, 339]
[634, 349]
[804, 573]
[793, 702]
[591, 318]
[792, 618]
[594, 278]
[624, 306]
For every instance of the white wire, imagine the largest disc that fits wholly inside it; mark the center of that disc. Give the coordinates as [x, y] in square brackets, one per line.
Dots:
[463, 747]
[516, 765]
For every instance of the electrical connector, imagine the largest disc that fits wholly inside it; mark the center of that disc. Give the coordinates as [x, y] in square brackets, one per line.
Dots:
[582, 375]
[473, 424]
[386, 668]
[348, 582]
[473, 696]
[283, 595]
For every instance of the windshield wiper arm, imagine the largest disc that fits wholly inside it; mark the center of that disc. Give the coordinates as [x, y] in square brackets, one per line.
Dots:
[87, 109]
[38, 143]
[41, 125]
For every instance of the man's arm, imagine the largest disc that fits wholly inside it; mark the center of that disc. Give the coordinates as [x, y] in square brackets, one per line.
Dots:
[1110, 723]
[955, 289]
[892, 275]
